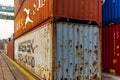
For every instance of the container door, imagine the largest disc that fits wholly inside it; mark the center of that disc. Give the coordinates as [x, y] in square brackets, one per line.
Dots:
[117, 49]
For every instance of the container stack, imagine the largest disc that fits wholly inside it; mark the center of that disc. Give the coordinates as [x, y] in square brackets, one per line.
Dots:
[59, 39]
[111, 36]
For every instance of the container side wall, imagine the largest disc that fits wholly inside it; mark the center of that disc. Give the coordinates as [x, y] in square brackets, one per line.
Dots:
[78, 52]
[111, 49]
[10, 49]
[34, 51]
[17, 4]
[31, 14]
[111, 12]
[78, 9]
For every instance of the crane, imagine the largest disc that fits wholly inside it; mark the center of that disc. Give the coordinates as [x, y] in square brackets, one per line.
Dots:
[8, 9]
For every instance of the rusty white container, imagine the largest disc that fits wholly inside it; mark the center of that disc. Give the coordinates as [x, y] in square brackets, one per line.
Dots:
[61, 51]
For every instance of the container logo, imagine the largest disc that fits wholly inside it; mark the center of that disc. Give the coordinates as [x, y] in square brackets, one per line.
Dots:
[27, 19]
[103, 1]
[26, 52]
[41, 3]
[27, 11]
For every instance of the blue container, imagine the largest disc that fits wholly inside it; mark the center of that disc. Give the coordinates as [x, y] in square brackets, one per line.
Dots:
[110, 12]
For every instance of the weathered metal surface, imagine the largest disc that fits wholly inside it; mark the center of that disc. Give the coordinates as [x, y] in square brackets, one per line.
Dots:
[34, 51]
[17, 5]
[10, 49]
[34, 12]
[78, 9]
[111, 49]
[65, 51]
[77, 53]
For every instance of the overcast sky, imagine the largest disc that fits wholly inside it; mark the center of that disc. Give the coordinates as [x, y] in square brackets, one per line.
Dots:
[6, 26]
[7, 2]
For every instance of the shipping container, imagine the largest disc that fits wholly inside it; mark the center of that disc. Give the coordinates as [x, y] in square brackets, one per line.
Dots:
[111, 49]
[34, 12]
[10, 49]
[110, 12]
[17, 5]
[61, 51]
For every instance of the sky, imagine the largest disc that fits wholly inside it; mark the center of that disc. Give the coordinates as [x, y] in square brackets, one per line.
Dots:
[7, 2]
[6, 26]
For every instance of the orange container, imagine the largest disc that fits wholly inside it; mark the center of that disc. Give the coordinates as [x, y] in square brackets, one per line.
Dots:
[17, 4]
[33, 12]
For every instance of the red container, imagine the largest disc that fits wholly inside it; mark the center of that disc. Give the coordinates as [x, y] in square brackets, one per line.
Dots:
[10, 49]
[34, 12]
[111, 49]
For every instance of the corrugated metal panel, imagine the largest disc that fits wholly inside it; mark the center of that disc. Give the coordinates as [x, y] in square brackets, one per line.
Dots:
[33, 12]
[10, 49]
[78, 52]
[105, 49]
[78, 9]
[17, 4]
[111, 11]
[65, 51]
[111, 49]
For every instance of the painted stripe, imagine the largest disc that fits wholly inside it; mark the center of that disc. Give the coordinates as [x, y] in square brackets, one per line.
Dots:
[30, 77]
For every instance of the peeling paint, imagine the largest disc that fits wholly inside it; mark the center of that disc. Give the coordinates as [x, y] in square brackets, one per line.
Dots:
[74, 55]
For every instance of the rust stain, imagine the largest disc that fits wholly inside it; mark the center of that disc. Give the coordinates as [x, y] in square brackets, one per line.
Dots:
[80, 46]
[76, 68]
[65, 79]
[95, 76]
[59, 65]
[95, 47]
[95, 51]
[78, 78]
[86, 64]
[67, 71]
[70, 64]
[77, 47]
[85, 49]
[77, 29]
[87, 78]
[94, 63]
[77, 54]
[70, 43]
[90, 71]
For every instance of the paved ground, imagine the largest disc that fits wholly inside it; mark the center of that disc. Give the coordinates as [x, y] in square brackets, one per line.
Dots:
[11, 71]
[106, 76]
